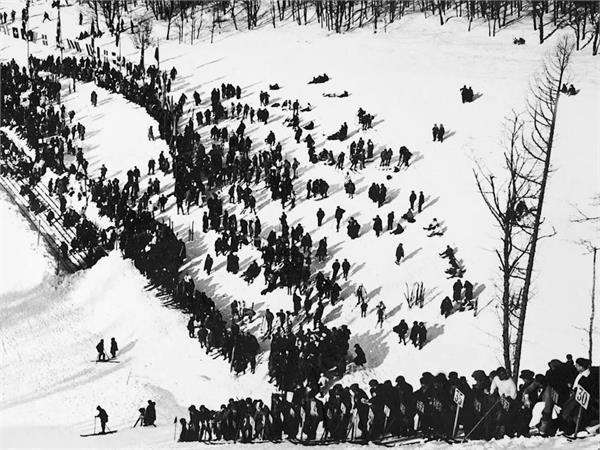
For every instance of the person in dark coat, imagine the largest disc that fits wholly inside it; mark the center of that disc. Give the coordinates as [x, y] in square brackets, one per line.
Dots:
[336, 268]
[320, 216]
[399, 229]
[113, 348]
[401, 329]
[421, 201]
[390, 220]
[422, 335]
[150, 414]
[339, 213]
[100, 350]
[446, 307]
[184, 431]
[468, 292]
[377, 225]
[345, 268]
[399, 253]
[208, 263]
[233, 263]
[457, 291]
[103, 416]
[412, 199]
[435, 131]
[441, 133]
[191, 326]
[414, 334]
[360, 359]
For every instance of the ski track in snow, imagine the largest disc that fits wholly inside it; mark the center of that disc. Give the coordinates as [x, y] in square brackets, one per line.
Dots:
[409, 78]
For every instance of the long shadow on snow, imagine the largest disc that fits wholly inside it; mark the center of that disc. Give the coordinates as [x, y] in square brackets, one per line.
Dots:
[374, 345]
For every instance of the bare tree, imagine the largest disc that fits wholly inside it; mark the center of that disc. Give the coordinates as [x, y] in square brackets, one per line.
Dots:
[516, 196]
[142, 37]
[505, 194]
[591, 244]
[543, 114]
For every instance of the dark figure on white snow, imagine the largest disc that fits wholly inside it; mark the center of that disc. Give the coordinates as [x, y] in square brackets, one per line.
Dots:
[421, 201]
[441, 133]
[345, 268]
[339, 213]
[401, 329]
[446, 307]
[412, 199]
[466, 94]
[380, 314]
[435, 131]
[399, 253]
[360, 359]
[320, 216]
[103, 416]
[150, 415]
[422, 336]
[100, 350]
[114, 348]
[319, 79]
[191, 326]
[208, 263]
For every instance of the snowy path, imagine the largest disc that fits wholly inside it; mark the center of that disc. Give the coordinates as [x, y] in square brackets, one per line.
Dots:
[409, 78]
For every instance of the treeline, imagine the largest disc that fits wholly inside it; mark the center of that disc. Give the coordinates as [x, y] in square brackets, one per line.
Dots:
[191, 18]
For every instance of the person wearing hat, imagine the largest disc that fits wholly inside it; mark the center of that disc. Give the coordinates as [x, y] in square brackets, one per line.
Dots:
[504, 387]
[150, 415]
[529, 396]
[556, 392]
[360, 359]
[103, 416]
[588, 378]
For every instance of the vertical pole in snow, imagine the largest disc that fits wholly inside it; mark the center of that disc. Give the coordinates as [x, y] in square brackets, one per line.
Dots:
[455, 421]
[578, 420]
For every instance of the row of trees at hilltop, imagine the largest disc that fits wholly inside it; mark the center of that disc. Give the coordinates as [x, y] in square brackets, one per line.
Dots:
[194, 20]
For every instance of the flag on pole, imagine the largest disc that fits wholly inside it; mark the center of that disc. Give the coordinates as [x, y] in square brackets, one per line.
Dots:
[156, 55]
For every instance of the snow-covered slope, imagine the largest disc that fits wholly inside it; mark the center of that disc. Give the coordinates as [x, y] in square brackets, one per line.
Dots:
[409, 78]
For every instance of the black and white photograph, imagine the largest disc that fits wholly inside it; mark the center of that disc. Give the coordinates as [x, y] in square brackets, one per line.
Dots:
[278, 224]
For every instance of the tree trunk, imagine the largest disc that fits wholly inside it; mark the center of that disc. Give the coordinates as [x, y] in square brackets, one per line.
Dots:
[593, 309]
[561, 59]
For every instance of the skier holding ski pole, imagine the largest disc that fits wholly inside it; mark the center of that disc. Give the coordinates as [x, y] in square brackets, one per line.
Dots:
[103, 416]
[481, 420]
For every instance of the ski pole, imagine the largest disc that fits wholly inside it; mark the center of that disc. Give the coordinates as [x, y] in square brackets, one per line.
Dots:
[481, 420]
[94, 424]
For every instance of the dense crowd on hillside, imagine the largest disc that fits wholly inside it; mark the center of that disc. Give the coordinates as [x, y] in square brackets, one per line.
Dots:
[493, 407]
[50, 132]
[287, 255]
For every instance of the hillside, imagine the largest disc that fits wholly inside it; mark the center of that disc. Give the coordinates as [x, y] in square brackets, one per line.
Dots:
[409, 78]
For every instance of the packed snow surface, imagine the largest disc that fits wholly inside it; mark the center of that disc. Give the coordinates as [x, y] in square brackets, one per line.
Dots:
[409, 77]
